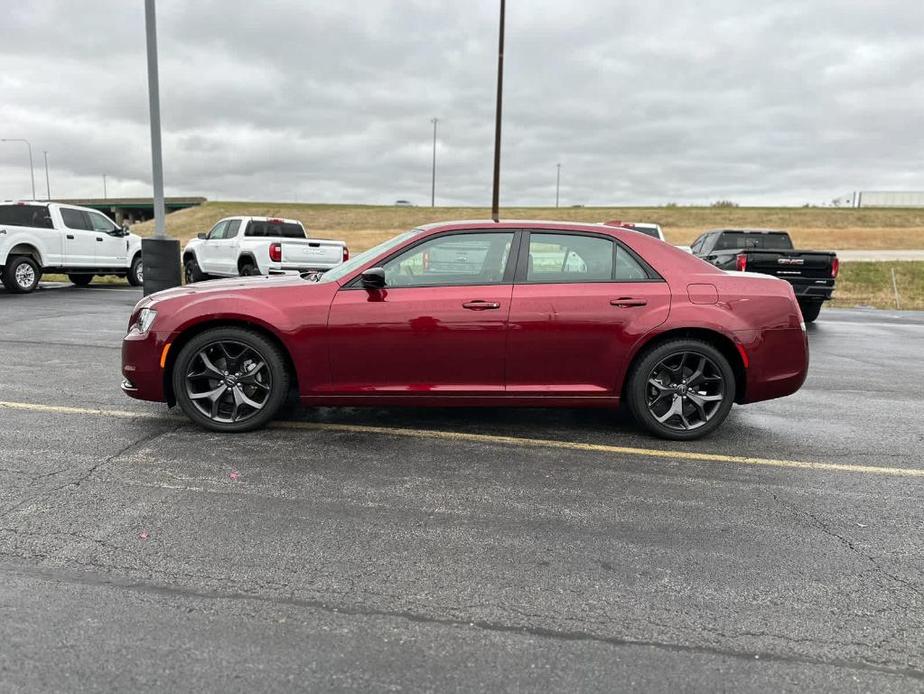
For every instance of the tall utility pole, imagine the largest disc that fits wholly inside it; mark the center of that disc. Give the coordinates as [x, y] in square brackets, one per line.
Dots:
[161, 254]
[31, 167]
[495, 198]
[433, 173]
[105, 194]
[557, 182]
[47, 179]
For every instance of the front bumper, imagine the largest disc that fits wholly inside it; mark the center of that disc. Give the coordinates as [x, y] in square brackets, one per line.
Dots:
[142, 375]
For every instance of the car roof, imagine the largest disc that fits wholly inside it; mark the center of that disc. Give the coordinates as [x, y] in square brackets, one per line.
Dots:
[259, 219]
[516, 224]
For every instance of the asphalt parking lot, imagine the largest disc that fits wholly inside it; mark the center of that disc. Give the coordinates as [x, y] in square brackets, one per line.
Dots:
[456, 549]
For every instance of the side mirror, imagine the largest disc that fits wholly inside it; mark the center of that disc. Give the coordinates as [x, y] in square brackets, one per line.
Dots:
[125, 229]
[373, 278]
[202, 235]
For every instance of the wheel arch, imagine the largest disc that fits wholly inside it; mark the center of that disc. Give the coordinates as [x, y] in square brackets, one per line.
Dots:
[721, 342]
[189, 333]
[27, 249]
[246, 257]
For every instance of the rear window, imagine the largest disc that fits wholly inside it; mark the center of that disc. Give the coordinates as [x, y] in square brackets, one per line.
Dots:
[738, 239]
[25, 216]
[648, 231]
[286, 230]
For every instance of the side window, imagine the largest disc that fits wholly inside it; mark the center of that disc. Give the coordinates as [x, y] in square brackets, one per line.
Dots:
[231, 229]
[217, 231]
[26, 216]
[100, 223]
[627, 268]
[76, 219]
[455, 259]
[697, 245]
[557, 258]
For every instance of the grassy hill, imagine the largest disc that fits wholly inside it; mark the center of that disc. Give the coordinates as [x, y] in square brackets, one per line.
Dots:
[362, 226]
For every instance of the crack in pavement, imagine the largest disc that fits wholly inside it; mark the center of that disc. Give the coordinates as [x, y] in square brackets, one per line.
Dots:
[165, 590]
[848, 543]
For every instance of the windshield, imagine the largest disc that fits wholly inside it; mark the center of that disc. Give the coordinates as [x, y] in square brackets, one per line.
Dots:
[357, 261]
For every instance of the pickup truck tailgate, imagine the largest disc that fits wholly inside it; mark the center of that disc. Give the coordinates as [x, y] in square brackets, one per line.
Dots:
[808, 264]
[311, 252]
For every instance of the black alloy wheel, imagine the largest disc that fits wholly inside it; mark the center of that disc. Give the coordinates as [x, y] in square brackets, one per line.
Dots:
[230, 379]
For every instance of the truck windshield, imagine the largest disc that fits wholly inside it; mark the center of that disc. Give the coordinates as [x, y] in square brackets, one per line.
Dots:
[286, 230]
[357, 261]
[731, 240]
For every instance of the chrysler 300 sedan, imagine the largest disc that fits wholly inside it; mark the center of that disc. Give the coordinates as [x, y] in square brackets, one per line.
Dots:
[541, 314]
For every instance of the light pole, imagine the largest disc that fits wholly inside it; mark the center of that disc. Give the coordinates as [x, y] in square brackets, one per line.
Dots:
[105, 193]
[31, 168]
[161, 255]
[47, 179]
[495, 197]
[557, 182]
[433, 173]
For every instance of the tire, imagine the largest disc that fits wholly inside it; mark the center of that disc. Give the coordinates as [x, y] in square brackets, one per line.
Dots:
[80, 280]
[136, 272]
[213, 365]
[672, 409]
[192, 273]
[810, 310]
[21, 274]
[247, 268]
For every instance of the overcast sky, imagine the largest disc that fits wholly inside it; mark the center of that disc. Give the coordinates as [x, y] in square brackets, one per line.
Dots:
[788, 102]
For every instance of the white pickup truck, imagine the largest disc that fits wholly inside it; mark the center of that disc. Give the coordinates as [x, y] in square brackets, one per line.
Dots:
[39, 237]
[240, 246]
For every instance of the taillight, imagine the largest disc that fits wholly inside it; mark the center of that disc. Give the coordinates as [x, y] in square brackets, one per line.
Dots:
[741, 262]
[835, 267]
[346, 254]
[275, 251]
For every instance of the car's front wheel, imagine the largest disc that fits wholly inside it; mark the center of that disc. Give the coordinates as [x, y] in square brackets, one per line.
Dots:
[192, 272]
[681, 390]
[21, 274]
[136, 272]
[230, 379]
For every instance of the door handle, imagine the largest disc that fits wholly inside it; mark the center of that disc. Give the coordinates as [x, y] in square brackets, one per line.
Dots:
[478, 305]
[70, 237]
[99, 238]
[626, 301]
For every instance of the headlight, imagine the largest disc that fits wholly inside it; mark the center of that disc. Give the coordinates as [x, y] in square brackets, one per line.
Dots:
[145, 319]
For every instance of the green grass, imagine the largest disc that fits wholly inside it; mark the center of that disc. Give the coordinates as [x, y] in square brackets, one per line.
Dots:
[870, 284]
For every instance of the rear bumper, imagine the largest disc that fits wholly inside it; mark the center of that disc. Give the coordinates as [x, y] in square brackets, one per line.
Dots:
[300, 267]
[807, 288]
[142, 375]
[778, 362]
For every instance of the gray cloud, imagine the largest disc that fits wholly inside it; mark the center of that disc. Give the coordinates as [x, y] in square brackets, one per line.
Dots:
[294, 99]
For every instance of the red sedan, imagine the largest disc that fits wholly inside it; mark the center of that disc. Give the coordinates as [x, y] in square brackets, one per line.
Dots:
[541, 314]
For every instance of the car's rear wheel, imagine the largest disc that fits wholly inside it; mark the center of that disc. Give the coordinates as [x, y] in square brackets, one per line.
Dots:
[230, 379]
[192, 273]
[248, 269]
[810, 310]
[80, 280]
[21, 274]
[681, 389]
[136, 272]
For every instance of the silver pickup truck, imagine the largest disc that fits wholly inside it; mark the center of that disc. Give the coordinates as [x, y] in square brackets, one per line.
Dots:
[241, 246]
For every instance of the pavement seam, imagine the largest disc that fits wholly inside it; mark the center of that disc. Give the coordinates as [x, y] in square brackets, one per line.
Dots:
[91, 579]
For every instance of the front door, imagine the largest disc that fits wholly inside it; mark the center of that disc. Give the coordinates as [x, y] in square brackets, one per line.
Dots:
[209, 255]
[439, 326]
[580, 303]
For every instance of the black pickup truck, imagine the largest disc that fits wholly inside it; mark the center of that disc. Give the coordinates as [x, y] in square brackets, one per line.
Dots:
[770, 252]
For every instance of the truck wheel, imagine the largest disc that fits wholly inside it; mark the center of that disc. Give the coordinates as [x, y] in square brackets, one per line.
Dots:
[136, 272]
[681, 389]
[21, 274]
[80, 280]
[810, 310]
[230, 379]
[192, 272]
[248, 269]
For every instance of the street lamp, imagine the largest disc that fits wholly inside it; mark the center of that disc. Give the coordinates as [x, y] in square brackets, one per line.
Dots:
[495, 196]
[47, 180]
[31, 168]
[160, 254]
[557, 182]
[433, 174]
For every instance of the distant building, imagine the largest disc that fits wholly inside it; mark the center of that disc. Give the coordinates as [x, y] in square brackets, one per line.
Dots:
[880, 198]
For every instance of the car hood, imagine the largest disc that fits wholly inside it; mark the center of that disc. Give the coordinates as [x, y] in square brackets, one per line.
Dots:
[231, 285]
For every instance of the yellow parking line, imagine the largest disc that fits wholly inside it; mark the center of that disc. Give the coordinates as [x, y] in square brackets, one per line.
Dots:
[507, 441]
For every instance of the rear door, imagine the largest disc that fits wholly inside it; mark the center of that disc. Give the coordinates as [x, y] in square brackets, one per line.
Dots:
[79, 238]
[228, 248]
[30, 224]
[580, 303]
